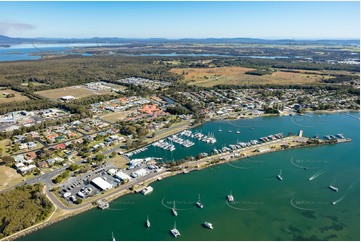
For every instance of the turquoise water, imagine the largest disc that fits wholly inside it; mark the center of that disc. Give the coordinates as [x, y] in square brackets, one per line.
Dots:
[264, 209]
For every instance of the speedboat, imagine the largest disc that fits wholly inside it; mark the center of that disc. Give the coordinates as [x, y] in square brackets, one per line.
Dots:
[208, 225]
[279, 176]
[333, 188]
[230, 197]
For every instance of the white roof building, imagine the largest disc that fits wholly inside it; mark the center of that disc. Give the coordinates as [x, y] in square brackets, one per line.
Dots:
[141, 172]
[66, 98]
[122, 176]
[101, 183]
[112, 172]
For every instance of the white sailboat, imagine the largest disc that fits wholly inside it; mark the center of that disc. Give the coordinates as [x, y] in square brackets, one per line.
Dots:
[175, 231]
[174, 211]
[198, 203]
[147, 222]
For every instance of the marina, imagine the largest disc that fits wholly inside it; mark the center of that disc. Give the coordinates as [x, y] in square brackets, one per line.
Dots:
[250, 188]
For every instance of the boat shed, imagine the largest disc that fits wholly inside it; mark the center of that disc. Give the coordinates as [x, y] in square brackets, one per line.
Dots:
[122, 176]
[101, 183]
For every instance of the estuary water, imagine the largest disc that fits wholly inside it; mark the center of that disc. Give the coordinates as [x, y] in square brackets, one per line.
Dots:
[35, 50]
[265, 208]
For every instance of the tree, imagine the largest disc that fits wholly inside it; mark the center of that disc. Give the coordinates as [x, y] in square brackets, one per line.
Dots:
[99, 157]
[8, 160]
[113, 154]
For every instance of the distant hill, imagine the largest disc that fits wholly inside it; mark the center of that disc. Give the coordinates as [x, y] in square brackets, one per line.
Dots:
[6, 40]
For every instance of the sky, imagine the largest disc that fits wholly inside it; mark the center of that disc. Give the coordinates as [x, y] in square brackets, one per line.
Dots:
[270, 20]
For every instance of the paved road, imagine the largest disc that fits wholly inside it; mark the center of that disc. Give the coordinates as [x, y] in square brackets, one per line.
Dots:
[45, 178]
[120, 189]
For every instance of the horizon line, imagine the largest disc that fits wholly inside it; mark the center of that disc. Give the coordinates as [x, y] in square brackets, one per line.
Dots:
[196, 38]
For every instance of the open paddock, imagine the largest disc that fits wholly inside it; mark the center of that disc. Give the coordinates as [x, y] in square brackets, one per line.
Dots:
[19, 97]
[8, 177]
[75, 91]
[237, 76]
[116, 116]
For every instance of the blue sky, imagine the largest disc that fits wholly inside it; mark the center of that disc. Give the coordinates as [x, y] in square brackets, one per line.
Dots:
[298, 20]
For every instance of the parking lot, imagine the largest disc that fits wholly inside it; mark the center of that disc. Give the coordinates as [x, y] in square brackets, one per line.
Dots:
[80, 187]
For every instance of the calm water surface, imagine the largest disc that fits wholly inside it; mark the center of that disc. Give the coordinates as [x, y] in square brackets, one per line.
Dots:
[264, 208]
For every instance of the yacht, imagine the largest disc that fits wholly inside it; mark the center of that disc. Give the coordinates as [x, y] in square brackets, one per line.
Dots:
[174, 211]
[147, 222]
[175, 231]
[340, 136]
[230, 197]
[238, 132]
[198, 203]
[333, 188]
[219, 130]
[208, 225]
[279, 176]
[230, 131]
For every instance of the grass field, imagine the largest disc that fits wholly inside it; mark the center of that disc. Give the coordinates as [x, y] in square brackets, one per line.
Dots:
[118, 161]
[4, 145]
[18, 96]
[75, 91]
[236, 75]
[116, 116]
[9, 177]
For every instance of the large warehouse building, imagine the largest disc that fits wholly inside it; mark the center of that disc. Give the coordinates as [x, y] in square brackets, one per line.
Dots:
[101, 183]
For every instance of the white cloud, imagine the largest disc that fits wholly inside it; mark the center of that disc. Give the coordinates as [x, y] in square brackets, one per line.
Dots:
[6, 27]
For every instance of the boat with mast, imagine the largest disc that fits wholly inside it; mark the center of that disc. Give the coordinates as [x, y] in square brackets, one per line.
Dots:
[175, 231]
[198, 203]
[147, 222]
[113, 238]
[174, 210]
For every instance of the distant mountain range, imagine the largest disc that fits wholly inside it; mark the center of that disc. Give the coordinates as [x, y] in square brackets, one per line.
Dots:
[6, 40]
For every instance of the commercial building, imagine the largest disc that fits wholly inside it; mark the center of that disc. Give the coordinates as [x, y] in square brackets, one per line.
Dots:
[101, 183]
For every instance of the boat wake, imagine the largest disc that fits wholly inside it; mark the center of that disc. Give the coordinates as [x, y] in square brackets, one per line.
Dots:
[240, 167]
[344, 195]
[116, 209]
[239, 126]
[241, 209]
[178, 209]
[300, 208]
[317, 174]
[302, 167]
[299, 124]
